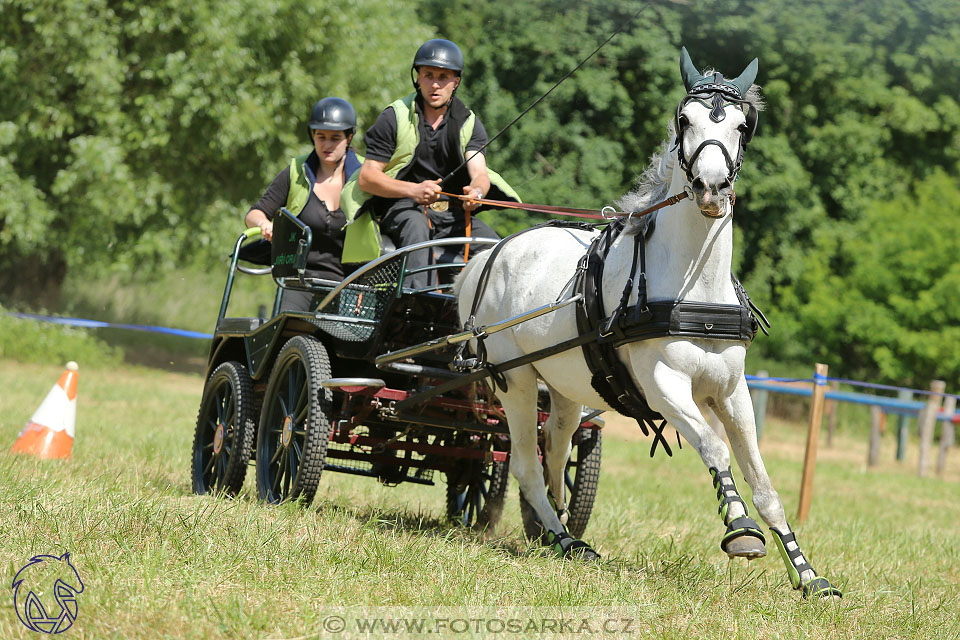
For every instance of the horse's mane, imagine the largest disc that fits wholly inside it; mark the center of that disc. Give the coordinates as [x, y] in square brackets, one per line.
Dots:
[653, 184]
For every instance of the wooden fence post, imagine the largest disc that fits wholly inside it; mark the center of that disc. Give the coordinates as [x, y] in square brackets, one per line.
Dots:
[759, 397]
[877, 427]
[813, 435]
[831, 410]
[946, 436]
[903, 425]
[927, 423]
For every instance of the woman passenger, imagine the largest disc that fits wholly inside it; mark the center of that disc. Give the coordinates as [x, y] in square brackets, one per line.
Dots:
[309, 187]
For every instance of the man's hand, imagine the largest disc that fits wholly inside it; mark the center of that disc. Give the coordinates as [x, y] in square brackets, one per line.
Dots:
[468, 205]
[426, 192]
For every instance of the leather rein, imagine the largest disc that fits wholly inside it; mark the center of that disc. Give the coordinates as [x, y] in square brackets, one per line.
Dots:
[607, 213]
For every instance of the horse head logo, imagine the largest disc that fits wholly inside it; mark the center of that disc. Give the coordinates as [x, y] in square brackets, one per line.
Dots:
[45, 593]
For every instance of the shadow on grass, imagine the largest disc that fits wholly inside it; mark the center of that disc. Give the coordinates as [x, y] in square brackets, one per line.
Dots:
[429, 524]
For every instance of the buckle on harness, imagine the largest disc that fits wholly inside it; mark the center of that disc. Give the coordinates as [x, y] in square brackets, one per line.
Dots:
[608, 328]
[641, 314]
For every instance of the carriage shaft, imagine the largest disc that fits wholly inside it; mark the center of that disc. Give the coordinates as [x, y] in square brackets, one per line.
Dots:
[439, 343]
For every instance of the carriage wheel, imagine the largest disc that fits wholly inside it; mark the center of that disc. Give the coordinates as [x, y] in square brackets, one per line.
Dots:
[225, 426]
[294, 423]
[581, 476]
[475, 494]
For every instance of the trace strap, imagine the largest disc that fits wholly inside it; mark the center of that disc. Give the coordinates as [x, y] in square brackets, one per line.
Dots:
[604, 214]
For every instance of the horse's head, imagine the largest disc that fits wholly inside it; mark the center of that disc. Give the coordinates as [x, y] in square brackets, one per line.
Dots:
[714, 122]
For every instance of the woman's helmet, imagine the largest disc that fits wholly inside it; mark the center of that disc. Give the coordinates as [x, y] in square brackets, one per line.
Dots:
[437, 53]
[334, 114]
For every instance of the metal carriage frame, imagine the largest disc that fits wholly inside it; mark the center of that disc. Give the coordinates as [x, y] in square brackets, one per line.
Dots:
[300, 393]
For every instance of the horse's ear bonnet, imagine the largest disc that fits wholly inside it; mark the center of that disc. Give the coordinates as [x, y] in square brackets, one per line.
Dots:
[696, 82]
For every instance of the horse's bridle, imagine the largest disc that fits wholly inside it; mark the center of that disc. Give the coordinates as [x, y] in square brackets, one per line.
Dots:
[719, 95]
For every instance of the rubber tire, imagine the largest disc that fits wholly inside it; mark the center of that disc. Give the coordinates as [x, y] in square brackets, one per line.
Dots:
[493, 477]
[297, 373]
[583, 493]
[227, 397]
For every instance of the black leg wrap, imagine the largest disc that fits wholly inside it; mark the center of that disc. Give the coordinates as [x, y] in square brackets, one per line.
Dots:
[742, 526]
[820, 587]
[727, 493]
[796, 564]
[566, 546]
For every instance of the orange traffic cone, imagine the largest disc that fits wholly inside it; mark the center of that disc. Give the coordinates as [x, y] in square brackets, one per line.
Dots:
[49, 434]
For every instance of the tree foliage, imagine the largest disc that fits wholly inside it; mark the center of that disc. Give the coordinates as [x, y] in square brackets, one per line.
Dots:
[133, 136]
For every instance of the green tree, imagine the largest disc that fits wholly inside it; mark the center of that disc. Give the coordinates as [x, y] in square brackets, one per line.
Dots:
[134, 136]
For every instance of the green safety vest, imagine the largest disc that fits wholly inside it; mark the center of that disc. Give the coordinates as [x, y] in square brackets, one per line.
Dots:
[362, 241]
[299, 184]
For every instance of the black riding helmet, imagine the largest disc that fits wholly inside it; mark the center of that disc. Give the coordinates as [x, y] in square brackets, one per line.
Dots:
[333, 114]
[437, 53]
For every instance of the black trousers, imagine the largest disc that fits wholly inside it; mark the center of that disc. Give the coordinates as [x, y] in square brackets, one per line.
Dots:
[405, 223]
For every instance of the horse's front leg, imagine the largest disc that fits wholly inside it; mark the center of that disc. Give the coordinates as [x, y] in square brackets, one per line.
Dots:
[670, 393]
[736, 412]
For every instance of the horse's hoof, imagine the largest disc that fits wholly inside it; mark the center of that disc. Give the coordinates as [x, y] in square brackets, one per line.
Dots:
[580, 550]
[744, 539]
[566, 546]
[747, 547]
[821, 588]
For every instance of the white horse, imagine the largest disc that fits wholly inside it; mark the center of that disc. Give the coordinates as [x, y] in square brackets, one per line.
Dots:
[688, 258]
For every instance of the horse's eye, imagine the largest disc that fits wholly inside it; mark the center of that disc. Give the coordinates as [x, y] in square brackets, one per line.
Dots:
[683, 121]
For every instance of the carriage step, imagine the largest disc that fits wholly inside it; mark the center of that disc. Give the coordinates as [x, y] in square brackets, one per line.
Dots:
[419, 370]
[353, 384]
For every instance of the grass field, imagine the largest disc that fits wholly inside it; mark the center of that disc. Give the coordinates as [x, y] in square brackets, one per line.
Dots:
[157, 561]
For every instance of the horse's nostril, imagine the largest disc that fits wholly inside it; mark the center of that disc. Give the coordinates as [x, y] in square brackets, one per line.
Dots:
[698, 185]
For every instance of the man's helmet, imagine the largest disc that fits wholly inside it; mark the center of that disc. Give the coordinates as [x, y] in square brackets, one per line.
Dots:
[334, 114]
[439, 53]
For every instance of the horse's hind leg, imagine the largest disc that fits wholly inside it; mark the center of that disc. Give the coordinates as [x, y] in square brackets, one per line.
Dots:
[736, 412]
[557, 435]
[520, 405]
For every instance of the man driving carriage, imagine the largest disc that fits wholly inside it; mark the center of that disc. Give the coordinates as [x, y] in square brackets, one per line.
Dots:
[422, 146]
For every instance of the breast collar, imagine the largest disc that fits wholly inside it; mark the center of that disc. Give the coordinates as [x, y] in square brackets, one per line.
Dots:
[644, 320]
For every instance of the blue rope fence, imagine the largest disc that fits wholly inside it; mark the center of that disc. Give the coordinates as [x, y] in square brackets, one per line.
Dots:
[889, 405]
[97, 324]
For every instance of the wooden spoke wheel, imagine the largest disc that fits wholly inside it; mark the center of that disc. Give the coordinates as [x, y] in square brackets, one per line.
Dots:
[225, 427]
[580, 476]
[295, 423]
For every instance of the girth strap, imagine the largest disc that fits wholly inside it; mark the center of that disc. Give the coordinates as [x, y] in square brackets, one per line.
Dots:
[611, 379]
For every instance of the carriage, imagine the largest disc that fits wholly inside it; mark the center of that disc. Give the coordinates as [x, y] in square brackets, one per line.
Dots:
[361, 385]
[660, 333]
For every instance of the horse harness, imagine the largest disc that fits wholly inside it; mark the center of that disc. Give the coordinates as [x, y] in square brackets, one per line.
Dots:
[644, 320]
[600, 334]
